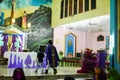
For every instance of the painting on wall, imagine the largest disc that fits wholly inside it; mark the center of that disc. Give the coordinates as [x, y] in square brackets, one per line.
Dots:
[70, 41]
[40, 28]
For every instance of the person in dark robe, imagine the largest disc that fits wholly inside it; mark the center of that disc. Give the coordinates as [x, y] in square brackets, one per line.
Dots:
[52, 57]
[40, 56]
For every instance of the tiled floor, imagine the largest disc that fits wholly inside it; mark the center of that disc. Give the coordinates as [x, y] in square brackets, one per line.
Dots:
[30, 71]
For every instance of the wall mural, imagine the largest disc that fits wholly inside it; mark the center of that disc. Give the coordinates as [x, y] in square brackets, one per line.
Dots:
[6, 4]
[40, 29]
[39, 17]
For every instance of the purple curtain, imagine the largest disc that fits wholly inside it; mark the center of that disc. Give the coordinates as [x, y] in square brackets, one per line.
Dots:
[4, 48]
[14, 40]
[13, 43]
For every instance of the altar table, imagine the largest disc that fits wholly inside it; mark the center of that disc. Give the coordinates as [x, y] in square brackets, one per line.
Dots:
[22, 59]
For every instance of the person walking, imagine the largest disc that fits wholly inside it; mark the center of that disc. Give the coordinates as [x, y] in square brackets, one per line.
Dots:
[52, 57]
[40, 56]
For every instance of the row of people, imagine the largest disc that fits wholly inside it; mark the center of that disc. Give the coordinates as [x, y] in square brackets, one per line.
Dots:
[94, 63]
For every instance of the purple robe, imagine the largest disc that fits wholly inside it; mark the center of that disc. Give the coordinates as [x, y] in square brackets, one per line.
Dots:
[50, 51]
[102, 57]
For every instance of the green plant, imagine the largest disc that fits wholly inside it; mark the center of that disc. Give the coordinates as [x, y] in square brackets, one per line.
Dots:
[114, 75]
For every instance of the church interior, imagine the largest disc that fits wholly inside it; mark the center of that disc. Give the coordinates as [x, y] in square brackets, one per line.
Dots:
[25, 25]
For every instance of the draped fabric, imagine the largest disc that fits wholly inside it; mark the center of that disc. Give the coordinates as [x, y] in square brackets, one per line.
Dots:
[15, 39]
[19, 40]
[4, 47]
[13, 43]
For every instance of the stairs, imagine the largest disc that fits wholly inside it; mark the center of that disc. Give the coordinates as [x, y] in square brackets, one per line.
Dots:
[3, 61]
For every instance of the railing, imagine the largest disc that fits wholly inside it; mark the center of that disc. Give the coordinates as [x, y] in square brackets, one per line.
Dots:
[72, 62]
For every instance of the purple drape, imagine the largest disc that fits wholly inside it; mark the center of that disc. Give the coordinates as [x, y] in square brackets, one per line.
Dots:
[13, 43]
[4, 48]
[13, 48]
[20, 42]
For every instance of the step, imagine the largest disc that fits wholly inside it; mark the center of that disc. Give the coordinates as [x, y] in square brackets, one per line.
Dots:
[84, 76]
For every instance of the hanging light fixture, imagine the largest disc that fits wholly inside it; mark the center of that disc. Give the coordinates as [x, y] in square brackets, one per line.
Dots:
[29, 24]
[13, 20]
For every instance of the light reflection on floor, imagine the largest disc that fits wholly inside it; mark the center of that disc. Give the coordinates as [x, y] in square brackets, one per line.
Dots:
[30, 71]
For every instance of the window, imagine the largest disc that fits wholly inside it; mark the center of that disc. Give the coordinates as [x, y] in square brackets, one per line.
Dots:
[75, 6]
[66, 8]
[80, 6]
[93, 4]
[62, 8]
[86, 5]
[70, 7]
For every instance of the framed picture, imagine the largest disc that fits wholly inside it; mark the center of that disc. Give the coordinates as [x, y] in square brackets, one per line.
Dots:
[100, 38]
[70, 45]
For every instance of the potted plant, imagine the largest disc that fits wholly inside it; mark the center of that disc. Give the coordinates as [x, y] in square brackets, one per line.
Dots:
[114, 75]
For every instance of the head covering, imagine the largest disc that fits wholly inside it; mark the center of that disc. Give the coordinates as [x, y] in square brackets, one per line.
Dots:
[50, 42]
[18, 74]
[88, 53]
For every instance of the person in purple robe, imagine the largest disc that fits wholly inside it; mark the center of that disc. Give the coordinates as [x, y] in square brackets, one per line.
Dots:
[102, 55]
[88, 62]
[52, 57]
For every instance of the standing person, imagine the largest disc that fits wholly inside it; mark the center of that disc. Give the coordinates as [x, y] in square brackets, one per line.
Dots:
[100, 74]
[102, 55]
[87, 60]
[52, 57]
[40, 56]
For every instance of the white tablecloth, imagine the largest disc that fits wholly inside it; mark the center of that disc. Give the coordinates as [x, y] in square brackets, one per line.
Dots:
[21, 59]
